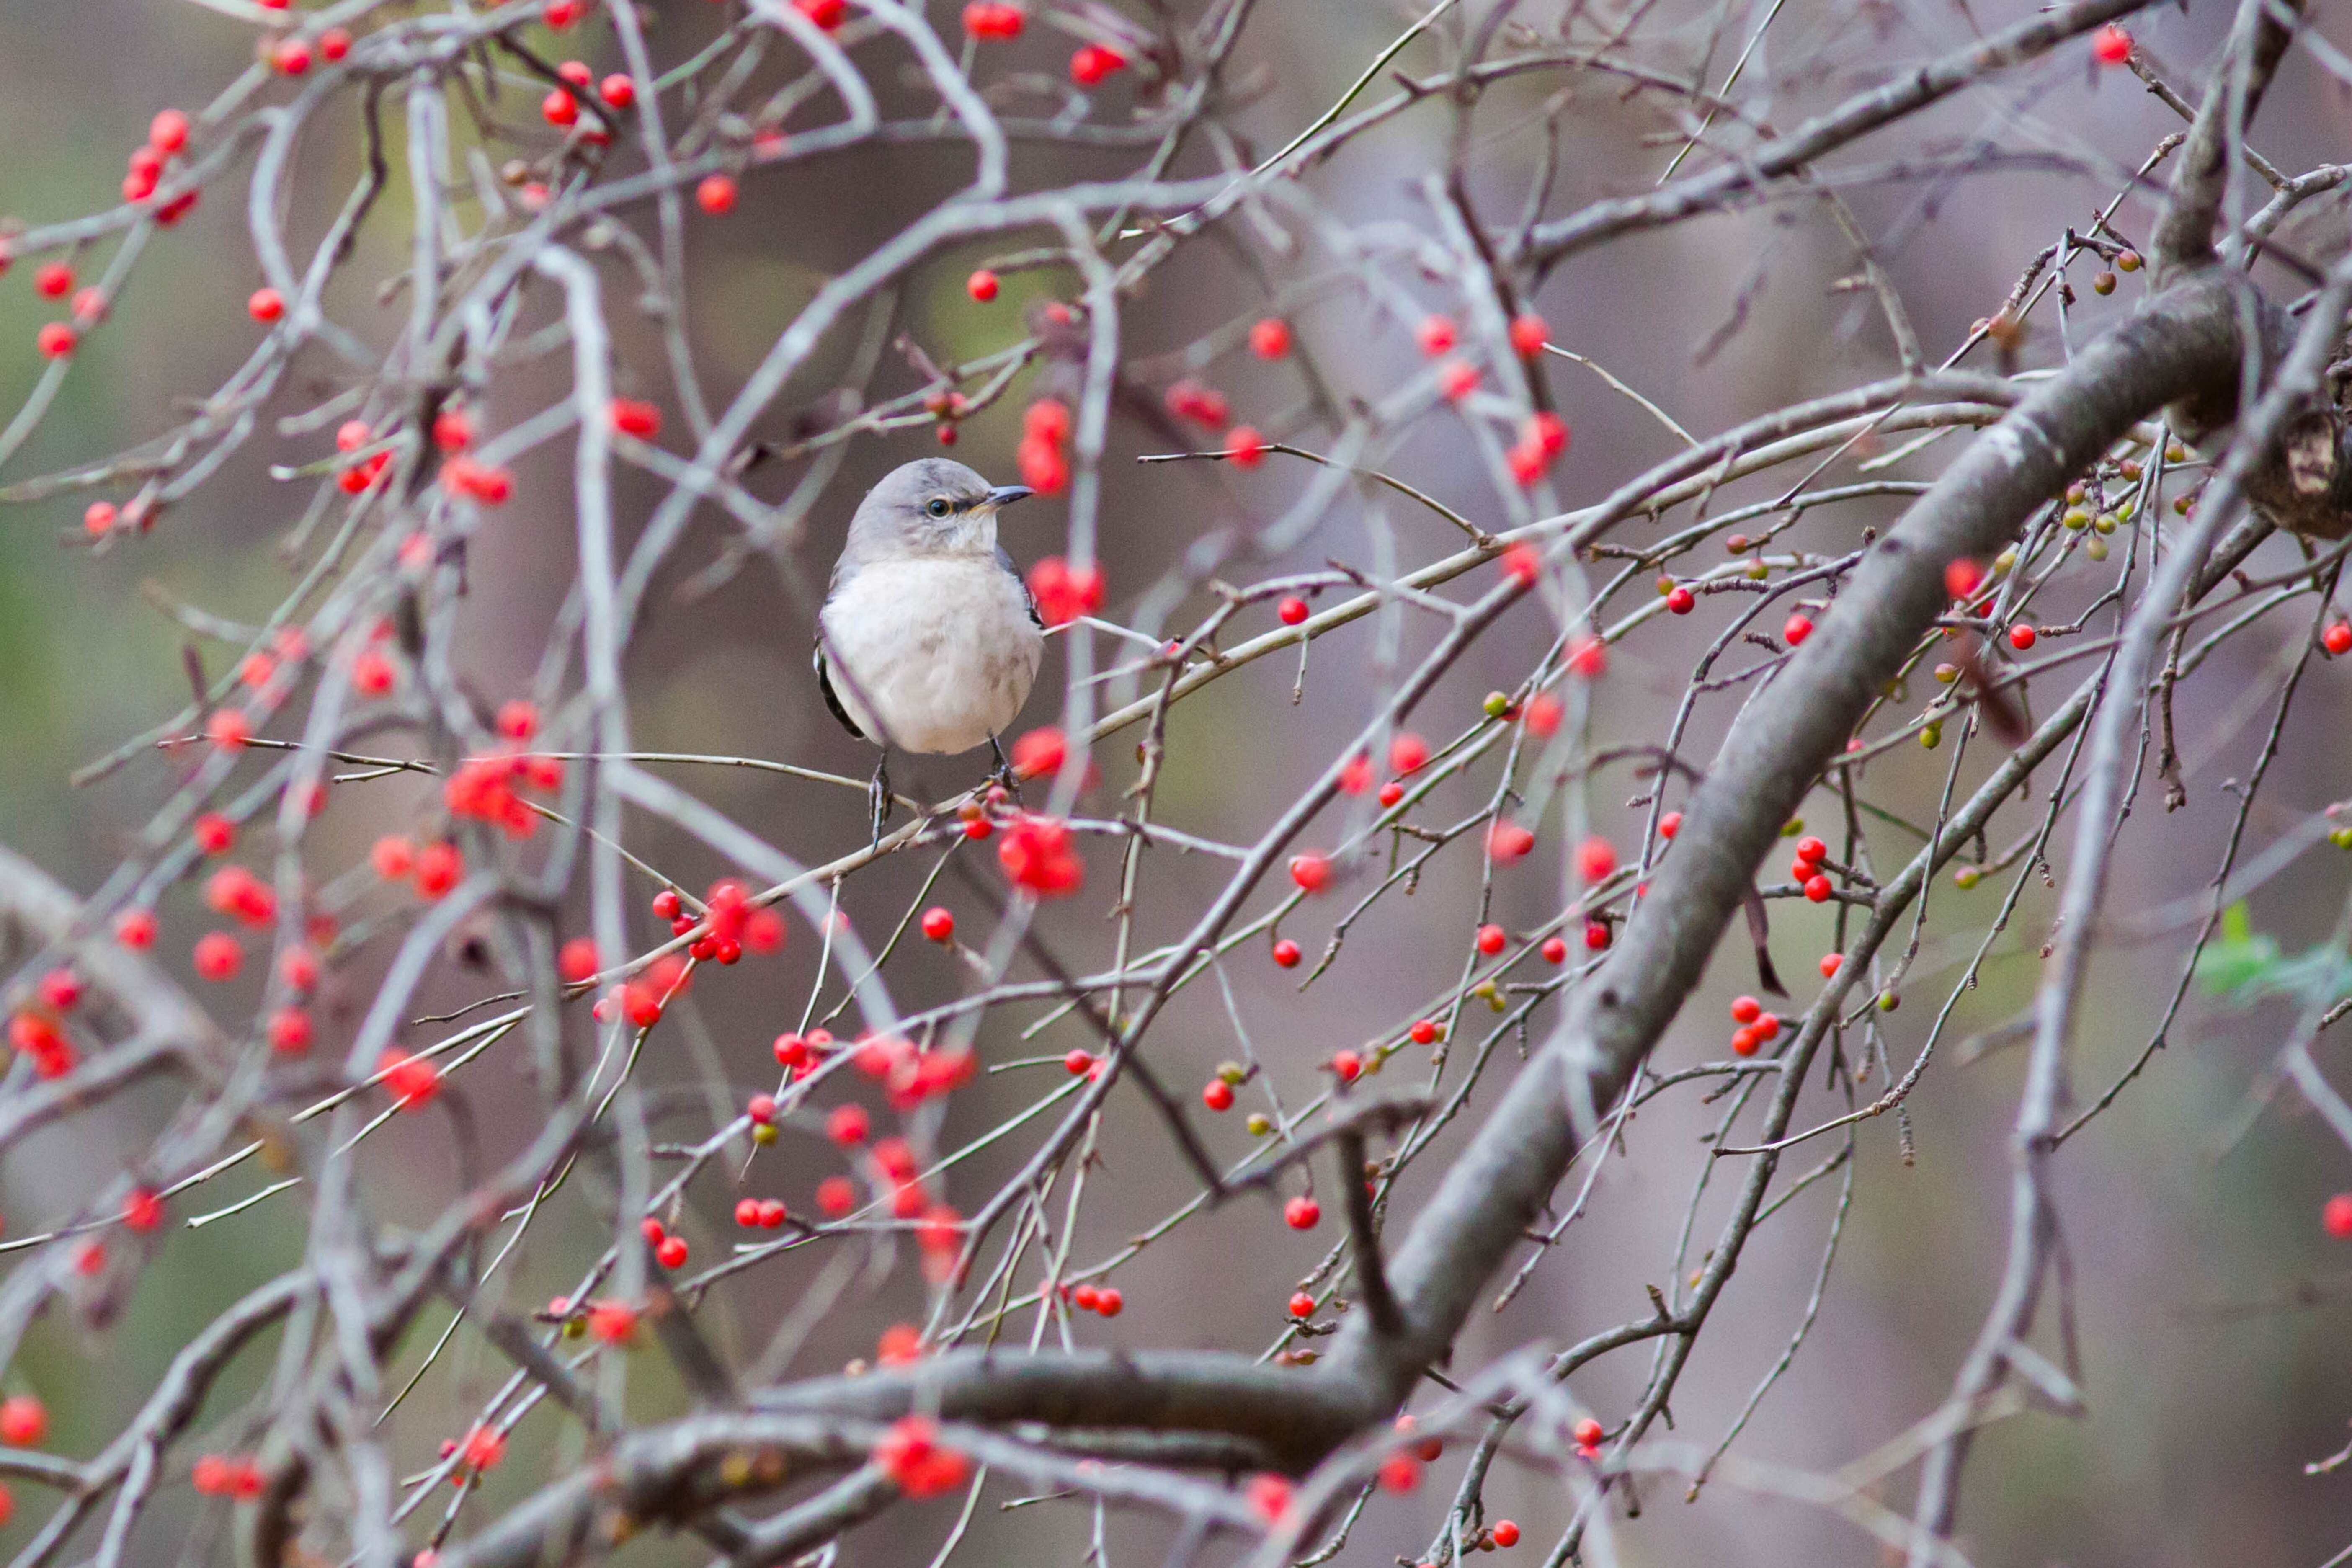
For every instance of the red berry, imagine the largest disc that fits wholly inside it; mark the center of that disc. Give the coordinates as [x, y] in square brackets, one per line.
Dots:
[1392, 793]
[1962, 577]
[1217, 1094]
[1086, 1297]
[1555, 949]
[54, 340]
[1505, 1532]
[1830, 964]
[1597, 858]
[1302, 1306]
[1109, 1301]
[1811, 848]
[1819, 889]
[1078, 1063]
[761, 1108]
[1491, 939]
[715, 194]
[438, 866]
[1588, 1433]
[1292, 610]
[1680, 601]
[2336, 639]
[24, 1420]
[1508, 842]
[847, 1125]
[1270, 339]
[1093, 62]
[1302, 1213]
[672, 1252]
[54, 281]
[558, 107]
[1285, 955]
[1436, 335]
[1456, 379]
[1797, 629]
[1424, 1032]
[1547, 432]
[334, 44]
[994, 19]
[168, 132]
[1670, 824]
[1245, 446]
[618, 90]
[2337, 1216]
[630, 416]
[1347, 1065]
[218, 956]
[1523, 564]
[142, 1211]
[939, 924]
[1529, 333]
[100, 515]
[135, 929]
[214, 833]
[2022, 636]
[2111, 45]
[981, 285]
[1400, 1473]
[1312, 872]
[292, 57]
[290, 1031]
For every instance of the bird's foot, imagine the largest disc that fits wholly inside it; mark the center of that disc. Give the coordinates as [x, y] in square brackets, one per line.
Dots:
[877, 800]
[1003, 774]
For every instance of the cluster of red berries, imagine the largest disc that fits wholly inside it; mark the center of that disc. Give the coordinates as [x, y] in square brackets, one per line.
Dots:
[1041, 857]
[1543, 440]
[38, 1035]
[670, 1250]
[728, 925]
[1806, 870]
[1044, 427]
[1106, 1299]
[911, 1455]
[360, 473]
[642, 998]
[435, 868]
[1756, 1027]
[486, 788]
[801, 1055]
[909, 1074]
[221, 1474]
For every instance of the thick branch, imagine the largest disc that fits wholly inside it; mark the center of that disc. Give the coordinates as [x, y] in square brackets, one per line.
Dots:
[2183, 340]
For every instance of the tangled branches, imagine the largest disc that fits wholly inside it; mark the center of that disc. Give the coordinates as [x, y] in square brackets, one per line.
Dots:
[412, 885]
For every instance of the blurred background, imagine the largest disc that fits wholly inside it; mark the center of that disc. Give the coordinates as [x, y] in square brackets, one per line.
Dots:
[2209, 1301]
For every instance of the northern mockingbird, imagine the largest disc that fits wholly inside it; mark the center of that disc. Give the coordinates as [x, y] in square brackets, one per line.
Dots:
[929, 640]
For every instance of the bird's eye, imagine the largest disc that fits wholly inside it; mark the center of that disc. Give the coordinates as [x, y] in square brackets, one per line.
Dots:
[938, 507]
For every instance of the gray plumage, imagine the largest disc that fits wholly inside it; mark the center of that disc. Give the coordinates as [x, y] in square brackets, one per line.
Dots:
[929, 640]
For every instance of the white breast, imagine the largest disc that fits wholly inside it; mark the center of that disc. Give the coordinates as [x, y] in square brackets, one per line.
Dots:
[938, 653]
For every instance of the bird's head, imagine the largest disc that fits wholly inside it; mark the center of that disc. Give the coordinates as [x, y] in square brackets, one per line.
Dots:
[930, 507]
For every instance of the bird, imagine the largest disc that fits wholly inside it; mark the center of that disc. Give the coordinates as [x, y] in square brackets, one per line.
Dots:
[928, 640]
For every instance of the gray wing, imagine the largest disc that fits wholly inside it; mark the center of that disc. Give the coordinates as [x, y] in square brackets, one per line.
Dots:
[833, 698]
[1005, 560]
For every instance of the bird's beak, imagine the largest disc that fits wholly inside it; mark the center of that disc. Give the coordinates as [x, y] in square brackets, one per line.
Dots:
[1006, 495]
